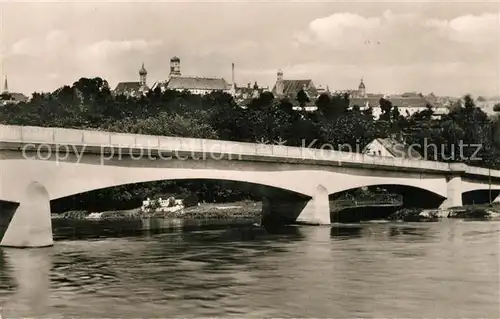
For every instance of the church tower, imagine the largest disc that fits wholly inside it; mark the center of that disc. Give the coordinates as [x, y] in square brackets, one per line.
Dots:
[362, 89]
[143, 73]
[280, 86]
[175, 67]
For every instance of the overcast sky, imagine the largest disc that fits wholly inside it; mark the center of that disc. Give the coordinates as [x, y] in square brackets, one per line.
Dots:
[448, 48]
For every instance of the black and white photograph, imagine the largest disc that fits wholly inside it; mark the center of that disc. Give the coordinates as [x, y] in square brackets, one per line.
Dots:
[249, 159]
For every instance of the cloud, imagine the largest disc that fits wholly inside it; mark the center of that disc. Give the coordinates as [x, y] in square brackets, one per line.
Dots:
[477, 29]
[54, 41]
[106, 48]
[26, 46]
[341, 24]
[57, 43]
[431, 47]
[61, 57]
[349, 29]
[338, 29]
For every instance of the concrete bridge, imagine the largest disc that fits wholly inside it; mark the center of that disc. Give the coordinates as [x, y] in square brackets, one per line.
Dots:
[38, 165]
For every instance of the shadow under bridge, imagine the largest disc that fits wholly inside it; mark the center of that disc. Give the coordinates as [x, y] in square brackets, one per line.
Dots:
[130, 196]
[379, 201]
[479, 196]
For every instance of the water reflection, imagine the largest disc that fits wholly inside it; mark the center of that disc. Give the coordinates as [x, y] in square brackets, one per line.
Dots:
[85, 229]
[29, 270]
[364, 270]
[345, 232]
[6, 282]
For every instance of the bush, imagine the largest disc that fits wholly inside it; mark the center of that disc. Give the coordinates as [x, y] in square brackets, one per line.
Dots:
[190, 200]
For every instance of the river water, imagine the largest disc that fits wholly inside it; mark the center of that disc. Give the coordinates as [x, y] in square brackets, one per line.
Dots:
[102, 270]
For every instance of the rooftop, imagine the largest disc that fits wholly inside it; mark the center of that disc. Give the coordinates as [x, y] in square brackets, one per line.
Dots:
[399, 149]
[291, 87]
[197, 83]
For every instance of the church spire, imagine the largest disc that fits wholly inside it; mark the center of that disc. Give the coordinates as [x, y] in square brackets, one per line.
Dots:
[5, 86]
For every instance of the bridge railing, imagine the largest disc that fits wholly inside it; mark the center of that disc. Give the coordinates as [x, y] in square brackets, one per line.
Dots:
[390, 199]
[103, 140]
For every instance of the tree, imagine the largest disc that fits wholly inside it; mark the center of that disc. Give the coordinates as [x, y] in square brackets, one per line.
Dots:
[302, 98]
[385, 108]
[323, 104]
[496, 107]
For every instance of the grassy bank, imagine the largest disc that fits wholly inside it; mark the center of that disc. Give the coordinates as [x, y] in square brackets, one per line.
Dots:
[242, 209]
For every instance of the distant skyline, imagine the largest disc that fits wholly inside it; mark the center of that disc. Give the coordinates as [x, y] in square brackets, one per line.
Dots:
[449, 48]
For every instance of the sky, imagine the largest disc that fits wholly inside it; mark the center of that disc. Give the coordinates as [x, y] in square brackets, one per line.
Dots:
[449, 48]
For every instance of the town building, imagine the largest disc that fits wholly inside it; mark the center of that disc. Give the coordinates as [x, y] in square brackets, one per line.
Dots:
[8, 97]
[322, 90]
[408, 103]
[289, 88]
[134, 89]
[192, 84]
[245, 94]
[391, 147]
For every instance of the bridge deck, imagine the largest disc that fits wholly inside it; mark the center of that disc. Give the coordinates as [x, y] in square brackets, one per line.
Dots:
[101, 142]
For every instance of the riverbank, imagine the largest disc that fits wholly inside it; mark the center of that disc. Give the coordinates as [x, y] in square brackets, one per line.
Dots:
[474, 211]
[250, 209]
[242, 209]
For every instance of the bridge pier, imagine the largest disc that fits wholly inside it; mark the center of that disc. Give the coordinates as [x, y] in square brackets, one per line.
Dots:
[497, 199]
[453, 192]
[28, 223]
[317, 210]
[313, 211]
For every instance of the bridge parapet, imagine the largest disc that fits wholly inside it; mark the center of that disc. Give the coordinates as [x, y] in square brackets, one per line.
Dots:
[480, 171]
[21, 135]
[459, 168]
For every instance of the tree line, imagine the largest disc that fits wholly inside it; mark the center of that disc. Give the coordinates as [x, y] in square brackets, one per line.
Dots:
[89, 103]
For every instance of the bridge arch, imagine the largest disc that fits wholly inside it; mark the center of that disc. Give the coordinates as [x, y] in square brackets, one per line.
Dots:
[478, 192]
[74, 186]
[66, 179]
[479, 196]
[340, 182]
[468, 186]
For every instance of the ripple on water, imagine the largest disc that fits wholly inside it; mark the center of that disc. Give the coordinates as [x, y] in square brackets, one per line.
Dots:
[369, 270]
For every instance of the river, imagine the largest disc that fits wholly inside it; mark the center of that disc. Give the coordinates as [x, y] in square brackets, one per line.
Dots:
[104, 270]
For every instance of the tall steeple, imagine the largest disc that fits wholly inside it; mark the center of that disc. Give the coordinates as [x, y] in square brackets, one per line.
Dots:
[142, 75]
[362, 88]
[233, 85]
[5, 86]
[280, 86]
[175, 67]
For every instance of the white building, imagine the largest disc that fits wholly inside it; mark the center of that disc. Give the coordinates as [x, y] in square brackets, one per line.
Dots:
[408, 103]
[389, 147]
